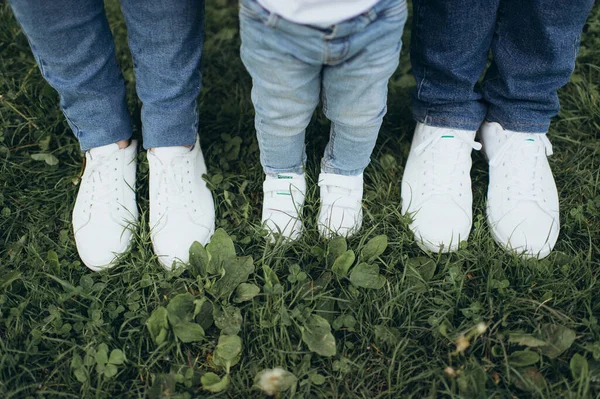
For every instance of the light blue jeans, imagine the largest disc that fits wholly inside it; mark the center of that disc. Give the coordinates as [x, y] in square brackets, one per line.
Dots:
[74, 48]
[348, 64]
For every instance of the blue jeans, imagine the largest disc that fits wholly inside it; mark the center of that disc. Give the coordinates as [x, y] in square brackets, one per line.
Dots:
[534, 44]
[75, 51]
[348, 64]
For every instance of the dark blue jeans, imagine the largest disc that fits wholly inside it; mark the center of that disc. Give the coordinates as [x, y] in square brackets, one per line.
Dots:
[533, 44]
[75, 50]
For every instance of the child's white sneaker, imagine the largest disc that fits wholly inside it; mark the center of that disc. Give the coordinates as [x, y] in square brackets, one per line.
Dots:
[181, 205]
[436, 187]
[282, 205]
[105, 210]
[341, 204]
[522, 203]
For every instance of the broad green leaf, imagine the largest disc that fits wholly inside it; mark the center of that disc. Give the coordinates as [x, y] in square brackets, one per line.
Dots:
[102, 354]
[53, 258]
[199, 259]
[375, 247]
[187, 331]
[236, 271]
[213, 383]
[110, 370]
[219, 249]
[245, 292]
[80, 375]
[523, 358]
[316, 378]
[48, 158]
[579, 367]
[181, 308]
[203, 312]
[9, 277]
[471, 382]
[386, 336]
[316, 334]
[343, 263]
[310, 289]
[525, 340]
[335, 248]
[271, 278]
[228, 319]
[228, 351]
[76, 361]
[558, 339]
[530, 380]
[117, 357]
[367, 276]
[424, 266]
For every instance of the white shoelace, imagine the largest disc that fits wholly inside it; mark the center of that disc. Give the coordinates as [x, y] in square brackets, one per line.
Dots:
[176, 184]
[103, 181]
[442, 178]
[523, 174]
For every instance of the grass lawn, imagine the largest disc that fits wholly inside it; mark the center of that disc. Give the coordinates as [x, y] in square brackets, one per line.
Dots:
[396, 324]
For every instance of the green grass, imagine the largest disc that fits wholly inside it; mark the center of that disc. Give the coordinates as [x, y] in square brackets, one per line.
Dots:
[399, 339]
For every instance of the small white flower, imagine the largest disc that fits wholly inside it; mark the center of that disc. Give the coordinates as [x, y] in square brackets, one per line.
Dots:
[481, 328]
[272, 381]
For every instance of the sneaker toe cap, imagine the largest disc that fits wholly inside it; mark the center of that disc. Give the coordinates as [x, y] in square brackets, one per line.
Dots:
[99, 246]
[173, 244]
[339, 221]
[441, 227]
[283, 225]
[528, 230]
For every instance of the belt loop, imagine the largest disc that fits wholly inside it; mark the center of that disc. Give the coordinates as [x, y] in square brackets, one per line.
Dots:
[371, 14]
[272, 20]
[333, 33]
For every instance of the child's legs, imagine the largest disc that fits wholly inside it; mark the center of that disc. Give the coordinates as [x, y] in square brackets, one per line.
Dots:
[285, 92]
[355, 92]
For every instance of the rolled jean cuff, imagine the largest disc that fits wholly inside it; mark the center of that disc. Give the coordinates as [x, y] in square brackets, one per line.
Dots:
[509, 122]
[446, 120]
[89, 141]
[274, 171]
[170, 140]
[337, 171]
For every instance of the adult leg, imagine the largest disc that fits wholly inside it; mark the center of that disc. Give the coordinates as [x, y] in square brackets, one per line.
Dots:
[534, 55]
[166, 38]
[449, 51]
[450, 45]
[74, 48]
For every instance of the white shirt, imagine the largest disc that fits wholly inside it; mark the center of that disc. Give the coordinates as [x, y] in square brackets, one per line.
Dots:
[321, 13]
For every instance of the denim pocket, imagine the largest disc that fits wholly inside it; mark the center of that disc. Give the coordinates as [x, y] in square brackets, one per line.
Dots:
[253, 10]
[397, 12]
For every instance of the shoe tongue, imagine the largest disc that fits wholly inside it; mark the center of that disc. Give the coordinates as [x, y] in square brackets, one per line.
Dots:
[170, 152]
[103, 151]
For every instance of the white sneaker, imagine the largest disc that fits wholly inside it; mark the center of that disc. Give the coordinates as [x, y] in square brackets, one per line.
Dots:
[436, 187]
[522, 204]
[105, 210]
[282, 205]
[341, 205]
[181, 205]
